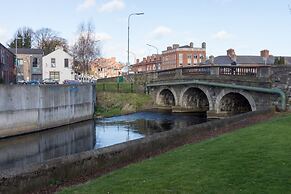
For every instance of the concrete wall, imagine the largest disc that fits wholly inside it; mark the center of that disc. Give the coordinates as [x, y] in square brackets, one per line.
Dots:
[97, 162]
[25, 108]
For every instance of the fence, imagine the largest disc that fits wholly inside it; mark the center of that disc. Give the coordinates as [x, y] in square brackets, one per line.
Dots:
[120, 87]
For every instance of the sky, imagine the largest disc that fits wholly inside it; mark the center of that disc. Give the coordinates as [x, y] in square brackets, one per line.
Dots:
[248, 26]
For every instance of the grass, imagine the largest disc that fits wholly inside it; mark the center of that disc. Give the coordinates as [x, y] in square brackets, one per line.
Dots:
[112, 103]
[255, 159]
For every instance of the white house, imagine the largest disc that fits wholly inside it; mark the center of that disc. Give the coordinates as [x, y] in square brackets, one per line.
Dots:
[58, 65]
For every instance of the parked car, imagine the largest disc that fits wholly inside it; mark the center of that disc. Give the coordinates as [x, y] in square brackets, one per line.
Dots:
[21, 82]
[33, 82]
[71, 82]
[49, 81]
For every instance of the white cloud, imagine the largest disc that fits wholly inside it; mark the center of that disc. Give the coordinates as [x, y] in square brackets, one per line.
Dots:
[87, 4]
[222, 35]
[161, 31]
[102, 36]
[111, 6]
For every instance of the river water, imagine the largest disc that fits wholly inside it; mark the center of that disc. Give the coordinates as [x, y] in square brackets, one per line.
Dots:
[30, 149]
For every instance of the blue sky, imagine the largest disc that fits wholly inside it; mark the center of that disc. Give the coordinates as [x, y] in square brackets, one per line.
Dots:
[248, 26]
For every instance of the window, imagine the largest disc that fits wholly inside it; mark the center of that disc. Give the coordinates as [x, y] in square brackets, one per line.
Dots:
[20, 61]
[53, 62]
[189, 59]
[55, 75]
[66, 62]
[201, 57]
[34, 62]
[195, 57]
[181, 59]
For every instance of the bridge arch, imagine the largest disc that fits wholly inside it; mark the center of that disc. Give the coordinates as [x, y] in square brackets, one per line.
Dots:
[196, 97]
[234, 101]
[166, 96]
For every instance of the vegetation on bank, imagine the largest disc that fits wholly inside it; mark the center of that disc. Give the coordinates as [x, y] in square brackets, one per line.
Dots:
[112, 103]
[255, 159]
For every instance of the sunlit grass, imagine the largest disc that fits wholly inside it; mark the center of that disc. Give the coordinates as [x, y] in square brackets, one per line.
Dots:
[255, 159]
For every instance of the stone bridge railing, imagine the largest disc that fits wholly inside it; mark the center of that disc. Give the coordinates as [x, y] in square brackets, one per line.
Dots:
[233, 71]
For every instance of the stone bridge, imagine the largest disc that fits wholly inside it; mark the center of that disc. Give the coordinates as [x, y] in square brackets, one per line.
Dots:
[222, 93]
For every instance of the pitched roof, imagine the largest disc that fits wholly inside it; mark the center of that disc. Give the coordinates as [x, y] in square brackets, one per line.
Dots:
[186, 46]
[288, 60]
[27, 51]
[225, 60]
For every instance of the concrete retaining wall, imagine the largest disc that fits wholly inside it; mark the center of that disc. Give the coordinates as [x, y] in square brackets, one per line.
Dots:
[25, 108]
[105, 159]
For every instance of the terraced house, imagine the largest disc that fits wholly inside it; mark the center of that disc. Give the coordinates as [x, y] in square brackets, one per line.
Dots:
[7, 66]
[29, 65]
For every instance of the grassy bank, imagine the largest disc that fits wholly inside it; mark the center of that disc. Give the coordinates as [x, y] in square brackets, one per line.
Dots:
[251, 160]
[112, 103]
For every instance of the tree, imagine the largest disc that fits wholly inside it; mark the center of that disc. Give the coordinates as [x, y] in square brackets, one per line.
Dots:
[86, 48]
[24, 38]
[47, 40]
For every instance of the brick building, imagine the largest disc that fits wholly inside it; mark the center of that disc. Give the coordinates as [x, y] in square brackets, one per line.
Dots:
[174, 57]
[106, 67]
[7, 66]
[148, 64]
[183, 56]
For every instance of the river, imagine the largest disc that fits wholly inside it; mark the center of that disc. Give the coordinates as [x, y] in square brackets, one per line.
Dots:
[36, 148]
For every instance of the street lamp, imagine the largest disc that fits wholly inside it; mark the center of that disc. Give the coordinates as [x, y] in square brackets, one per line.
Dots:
[157, 65]
[154, 47]
[16, 59]
[128, 26]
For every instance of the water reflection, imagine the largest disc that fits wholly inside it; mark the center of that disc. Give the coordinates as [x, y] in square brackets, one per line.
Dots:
[42, 146]
[38, 147]
[119, 129]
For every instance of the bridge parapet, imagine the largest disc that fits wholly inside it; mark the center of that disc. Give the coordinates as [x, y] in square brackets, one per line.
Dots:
[232, 71]
[243, 75]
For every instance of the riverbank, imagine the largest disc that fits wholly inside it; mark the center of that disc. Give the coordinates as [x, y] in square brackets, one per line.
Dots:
[78, 168]
[112, 104]
[254, 159]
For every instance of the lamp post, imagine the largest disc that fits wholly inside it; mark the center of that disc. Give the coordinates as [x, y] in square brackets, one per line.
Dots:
[154, 48]
[128, 27]
[16, 59]
[157, 65]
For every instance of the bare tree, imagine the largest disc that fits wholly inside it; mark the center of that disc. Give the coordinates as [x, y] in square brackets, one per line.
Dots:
[86, 48]
[47, 40]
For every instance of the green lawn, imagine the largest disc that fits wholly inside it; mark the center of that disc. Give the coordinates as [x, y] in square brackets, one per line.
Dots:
[256, 159]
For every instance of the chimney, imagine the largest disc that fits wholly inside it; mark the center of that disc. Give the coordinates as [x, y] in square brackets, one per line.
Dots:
[265, 53]
[231, 54]
[204, 45]
[58, 47]
[144, 59]
[169, 48]
[137, 61]
[211, 59]
[191, 44]
[175, 46]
